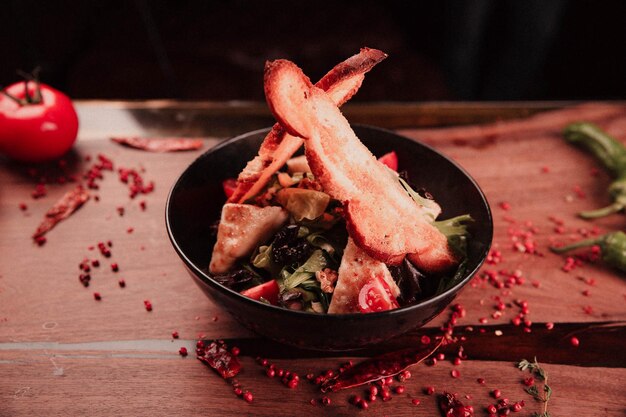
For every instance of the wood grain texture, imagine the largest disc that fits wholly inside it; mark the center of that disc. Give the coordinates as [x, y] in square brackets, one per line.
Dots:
[119, 359]
[92, 383]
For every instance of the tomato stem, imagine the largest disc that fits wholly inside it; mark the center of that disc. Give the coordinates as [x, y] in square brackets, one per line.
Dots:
[27, 95]
[17, 100]
[34, 77]
[28, 98]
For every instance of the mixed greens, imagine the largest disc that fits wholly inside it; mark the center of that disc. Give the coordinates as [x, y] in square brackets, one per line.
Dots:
[297, 268]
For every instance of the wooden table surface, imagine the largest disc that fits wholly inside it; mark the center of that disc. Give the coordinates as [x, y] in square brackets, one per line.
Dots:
[62, 353]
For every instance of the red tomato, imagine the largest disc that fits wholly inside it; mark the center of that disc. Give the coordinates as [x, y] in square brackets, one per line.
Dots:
[229, 185]
[268, 290]
[375, 295]
[390, 159]
[40, 127]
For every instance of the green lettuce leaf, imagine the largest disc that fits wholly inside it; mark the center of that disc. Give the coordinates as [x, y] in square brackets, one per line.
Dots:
[316, 262]
[303, 204]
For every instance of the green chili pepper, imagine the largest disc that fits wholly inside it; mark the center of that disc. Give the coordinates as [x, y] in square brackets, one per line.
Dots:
[612, 246]
[611, 153]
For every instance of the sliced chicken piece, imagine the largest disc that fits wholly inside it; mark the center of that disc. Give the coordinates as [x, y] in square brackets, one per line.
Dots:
[341, 83]
[242, 228]
[298, 164]
[364, 284]
[381, 217]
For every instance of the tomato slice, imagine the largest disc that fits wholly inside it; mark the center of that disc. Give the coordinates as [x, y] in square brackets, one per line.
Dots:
[375, 295]
[229, 185]
[390, 159]
[268, 290]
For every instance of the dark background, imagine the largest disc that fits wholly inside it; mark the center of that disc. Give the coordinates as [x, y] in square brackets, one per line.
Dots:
[215, 50]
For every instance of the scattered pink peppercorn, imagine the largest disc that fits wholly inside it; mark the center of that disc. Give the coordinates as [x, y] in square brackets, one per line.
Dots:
[429, 390]
[385, 394]
[517, 407]
[425, 340]
[455, 373]
[97, 296]
[505, 205]
[363, 405]
[148, 305]
[354, 400]
[238, 391]
[182, 351]
[399, 389]
[530, 381]
[270, 373]
[481, 381]
[95, 263]
[491, 409]
[574, 341]
[122, 283]
[248, 397]
[404, 375]
[39, 191]
[175, 334]
[326, 401]
[549, 325]
[496, 393]
[115, 267]
[415, 401]
[23, 206]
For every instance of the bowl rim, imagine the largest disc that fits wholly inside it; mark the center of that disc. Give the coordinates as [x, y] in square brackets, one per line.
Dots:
[204, 277]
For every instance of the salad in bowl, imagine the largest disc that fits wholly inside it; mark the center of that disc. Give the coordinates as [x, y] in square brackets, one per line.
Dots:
[335, 230]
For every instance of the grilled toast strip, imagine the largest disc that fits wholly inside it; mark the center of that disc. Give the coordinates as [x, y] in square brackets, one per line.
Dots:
[340, 83]
[381, 217]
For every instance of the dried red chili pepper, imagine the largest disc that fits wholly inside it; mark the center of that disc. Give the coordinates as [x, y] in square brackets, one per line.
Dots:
[217, 356]
[450, 406]
[160, 144]
[383, 366]
[62, 209]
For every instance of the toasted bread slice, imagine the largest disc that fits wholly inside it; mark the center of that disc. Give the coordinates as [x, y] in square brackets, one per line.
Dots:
[381, 217]
[341, 83]
[242, 228]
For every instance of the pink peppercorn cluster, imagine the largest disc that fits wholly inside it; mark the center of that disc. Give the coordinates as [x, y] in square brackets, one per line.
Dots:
[503, 407]
[289, 379]
[86, 266]
[327, 375]
[59, 174]
[135, 181]
[94, 173]
[382, 389]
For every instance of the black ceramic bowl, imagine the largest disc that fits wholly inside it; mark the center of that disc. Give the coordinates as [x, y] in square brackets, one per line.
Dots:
[196, 200]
